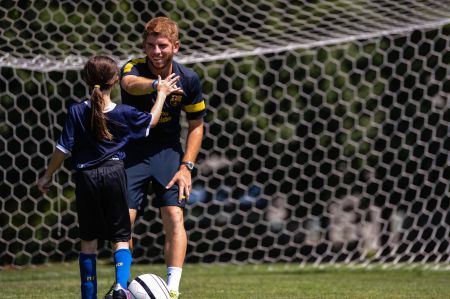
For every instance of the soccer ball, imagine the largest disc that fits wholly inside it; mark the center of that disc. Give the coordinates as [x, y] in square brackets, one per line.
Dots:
[149, 286]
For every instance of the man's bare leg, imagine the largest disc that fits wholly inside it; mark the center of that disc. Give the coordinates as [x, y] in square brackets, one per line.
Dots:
[175, 244]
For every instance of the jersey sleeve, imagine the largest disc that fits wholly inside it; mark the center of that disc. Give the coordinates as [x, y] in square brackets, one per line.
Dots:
[138, 123]
[194, 106]
[130, 68]
[66, 139]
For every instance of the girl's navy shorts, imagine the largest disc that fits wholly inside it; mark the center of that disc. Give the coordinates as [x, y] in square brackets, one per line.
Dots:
[101, 200]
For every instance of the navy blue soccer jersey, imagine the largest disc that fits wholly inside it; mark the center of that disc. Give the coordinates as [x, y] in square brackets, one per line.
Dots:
[124, 123]
[191, 101]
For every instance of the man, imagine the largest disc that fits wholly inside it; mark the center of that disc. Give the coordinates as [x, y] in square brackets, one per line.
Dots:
[159, 159]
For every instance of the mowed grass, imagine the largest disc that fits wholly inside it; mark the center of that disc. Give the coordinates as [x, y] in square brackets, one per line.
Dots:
[239, 282]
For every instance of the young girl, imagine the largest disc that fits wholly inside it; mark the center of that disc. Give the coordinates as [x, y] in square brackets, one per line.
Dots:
[95, 133]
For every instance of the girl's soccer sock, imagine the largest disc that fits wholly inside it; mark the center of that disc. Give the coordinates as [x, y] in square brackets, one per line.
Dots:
[122, 260]
[173, 278]
[88, 275]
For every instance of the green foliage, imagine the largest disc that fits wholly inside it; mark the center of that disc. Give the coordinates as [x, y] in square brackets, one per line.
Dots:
[339, 97]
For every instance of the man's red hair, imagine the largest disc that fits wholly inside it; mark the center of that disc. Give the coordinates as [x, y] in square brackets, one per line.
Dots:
[162, 26]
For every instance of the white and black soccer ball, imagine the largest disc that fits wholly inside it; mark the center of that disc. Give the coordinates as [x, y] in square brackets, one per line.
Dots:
[149, 286]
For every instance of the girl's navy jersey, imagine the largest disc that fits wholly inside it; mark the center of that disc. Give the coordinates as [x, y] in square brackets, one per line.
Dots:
[191, 101]
[124, 123]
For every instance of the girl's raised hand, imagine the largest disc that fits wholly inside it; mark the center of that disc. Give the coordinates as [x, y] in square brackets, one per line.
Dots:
[169, 85]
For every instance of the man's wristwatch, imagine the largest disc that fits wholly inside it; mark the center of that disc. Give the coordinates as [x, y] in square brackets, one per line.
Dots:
[189, 165]
[155, 84]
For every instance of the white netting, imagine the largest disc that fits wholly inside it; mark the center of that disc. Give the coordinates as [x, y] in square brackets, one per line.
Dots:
[327, 130]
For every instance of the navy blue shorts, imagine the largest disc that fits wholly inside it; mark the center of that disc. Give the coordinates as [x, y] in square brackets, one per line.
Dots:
[101, 201]
[155, 164]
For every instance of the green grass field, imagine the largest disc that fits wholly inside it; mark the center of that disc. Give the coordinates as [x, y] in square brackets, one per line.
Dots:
[240, 282]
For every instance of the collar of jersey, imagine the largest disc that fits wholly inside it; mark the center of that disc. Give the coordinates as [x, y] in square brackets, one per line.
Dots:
[110, 107]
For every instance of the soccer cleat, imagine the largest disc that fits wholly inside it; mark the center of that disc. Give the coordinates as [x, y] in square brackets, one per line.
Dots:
[109, 294]
[174, 294]
[121, 293]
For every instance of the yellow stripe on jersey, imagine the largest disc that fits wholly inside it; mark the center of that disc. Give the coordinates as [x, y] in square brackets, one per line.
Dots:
[132, 63]
[195, 107]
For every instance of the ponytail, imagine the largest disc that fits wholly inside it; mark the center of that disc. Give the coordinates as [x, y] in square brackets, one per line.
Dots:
[98, 119]
[100, 73]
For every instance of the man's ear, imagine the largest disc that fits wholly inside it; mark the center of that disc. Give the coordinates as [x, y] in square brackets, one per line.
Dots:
[176, 47]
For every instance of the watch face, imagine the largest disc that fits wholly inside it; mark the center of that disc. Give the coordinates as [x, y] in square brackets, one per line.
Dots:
[189, 165]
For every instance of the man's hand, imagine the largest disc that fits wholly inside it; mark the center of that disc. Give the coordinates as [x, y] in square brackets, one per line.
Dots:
[44, 183]
[183, 179]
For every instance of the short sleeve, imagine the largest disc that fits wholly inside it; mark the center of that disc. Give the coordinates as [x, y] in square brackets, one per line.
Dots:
[138, 122]
[66, 139]
[194, 106]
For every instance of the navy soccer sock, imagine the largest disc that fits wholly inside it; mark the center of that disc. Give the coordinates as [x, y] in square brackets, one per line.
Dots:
[122, 260]
[88, 275]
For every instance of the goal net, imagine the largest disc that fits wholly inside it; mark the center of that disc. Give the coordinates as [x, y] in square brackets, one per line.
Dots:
[327, 133]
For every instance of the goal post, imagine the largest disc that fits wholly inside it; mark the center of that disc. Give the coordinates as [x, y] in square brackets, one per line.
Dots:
[326, 141]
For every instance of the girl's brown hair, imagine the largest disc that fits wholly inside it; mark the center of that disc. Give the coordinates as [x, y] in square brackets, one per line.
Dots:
[99, 73]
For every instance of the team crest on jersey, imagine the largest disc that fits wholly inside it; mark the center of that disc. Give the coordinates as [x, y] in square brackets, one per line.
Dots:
[175, 100]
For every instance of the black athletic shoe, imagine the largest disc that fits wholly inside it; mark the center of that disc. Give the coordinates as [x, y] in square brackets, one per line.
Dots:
[121, 293]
